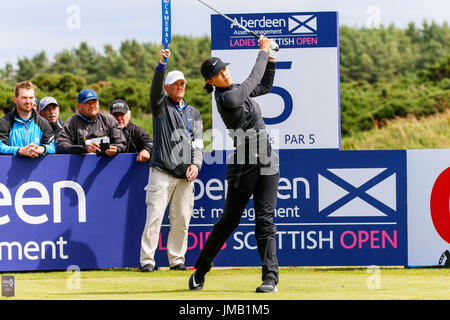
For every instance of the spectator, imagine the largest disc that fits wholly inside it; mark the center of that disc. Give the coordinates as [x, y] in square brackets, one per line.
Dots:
[35, 104]
[175, 163]
[22, 131]
[138, 140]
[91, 131]
[49, 109]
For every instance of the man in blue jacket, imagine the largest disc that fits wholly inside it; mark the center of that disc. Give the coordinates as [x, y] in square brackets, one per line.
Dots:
[22, 131]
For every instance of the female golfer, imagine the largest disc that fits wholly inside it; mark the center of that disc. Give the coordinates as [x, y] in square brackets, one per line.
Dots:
[252, 170]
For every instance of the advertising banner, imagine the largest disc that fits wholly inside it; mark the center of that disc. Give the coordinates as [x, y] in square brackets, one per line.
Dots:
[302, 110]
[428, 207]
[65, 210]
[335, 208]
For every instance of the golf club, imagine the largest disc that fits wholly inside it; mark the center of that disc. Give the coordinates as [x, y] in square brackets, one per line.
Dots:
[274, 45]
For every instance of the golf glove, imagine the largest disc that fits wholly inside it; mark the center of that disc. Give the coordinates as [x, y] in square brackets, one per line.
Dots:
[273, 49]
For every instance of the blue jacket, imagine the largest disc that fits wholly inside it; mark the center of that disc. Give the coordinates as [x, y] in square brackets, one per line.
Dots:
[16, 132]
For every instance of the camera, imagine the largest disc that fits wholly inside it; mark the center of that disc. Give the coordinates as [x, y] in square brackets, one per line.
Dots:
[103, 142]
[103, 146]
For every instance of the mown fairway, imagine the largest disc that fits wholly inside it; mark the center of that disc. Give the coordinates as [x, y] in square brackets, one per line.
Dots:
[237, 284]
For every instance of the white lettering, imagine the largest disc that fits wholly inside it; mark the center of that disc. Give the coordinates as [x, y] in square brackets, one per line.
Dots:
[20, 201]
[280, 239]
[30, 246]
[61, 242]
[51, 245]
[44, 199]
[57, 186]
[245, 243]
[31, 249]
[210, 187]
[261, 23]
[236, 236]
[216, 213]
[217, 190]
[307, 189]
[5, 201]
[201, 191]
[287, 186]
[10, 246]
[293, 238]
[287, 240]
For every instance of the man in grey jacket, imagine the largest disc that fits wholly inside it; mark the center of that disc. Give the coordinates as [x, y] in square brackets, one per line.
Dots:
[177, 158]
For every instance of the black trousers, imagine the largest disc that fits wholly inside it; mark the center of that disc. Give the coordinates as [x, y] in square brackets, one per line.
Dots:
[264, 189]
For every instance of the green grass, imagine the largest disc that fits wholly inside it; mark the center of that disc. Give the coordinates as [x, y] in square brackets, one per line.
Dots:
[432, 132]
[299, 283]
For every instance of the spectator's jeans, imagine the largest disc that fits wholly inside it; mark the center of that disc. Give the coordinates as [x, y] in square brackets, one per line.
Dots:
[161, 189]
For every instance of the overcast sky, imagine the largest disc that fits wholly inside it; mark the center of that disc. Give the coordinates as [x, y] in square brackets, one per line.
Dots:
[30, 26]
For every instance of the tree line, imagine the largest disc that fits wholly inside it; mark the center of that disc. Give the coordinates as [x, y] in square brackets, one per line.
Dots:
[384, 73]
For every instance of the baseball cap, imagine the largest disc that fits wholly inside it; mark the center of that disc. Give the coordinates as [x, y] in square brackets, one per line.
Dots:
[212, 66]
[174, 76]
[119, 105]
[87, 94]
[46, 101]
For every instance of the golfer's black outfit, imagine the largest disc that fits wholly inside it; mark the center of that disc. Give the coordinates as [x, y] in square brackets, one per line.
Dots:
[247, 175]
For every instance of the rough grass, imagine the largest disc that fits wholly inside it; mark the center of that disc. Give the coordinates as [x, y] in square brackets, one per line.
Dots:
[432, 132]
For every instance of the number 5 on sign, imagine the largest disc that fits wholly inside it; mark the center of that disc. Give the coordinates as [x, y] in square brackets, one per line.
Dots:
[166, 24]
[284, 94]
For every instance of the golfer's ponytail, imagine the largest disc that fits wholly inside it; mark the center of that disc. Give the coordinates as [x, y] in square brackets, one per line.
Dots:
[209, 88]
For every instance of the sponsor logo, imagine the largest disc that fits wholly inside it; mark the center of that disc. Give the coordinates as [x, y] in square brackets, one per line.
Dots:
[439, 205]
[302, 24]
[298, 24]
[288, 30]
[21, 201]
[264, 22]
[357, 192]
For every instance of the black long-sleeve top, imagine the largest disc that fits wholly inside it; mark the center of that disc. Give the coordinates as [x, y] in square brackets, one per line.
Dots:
[137, 138]
[243, 118]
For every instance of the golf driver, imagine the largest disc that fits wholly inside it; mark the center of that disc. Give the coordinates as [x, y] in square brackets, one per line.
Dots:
[274, 45]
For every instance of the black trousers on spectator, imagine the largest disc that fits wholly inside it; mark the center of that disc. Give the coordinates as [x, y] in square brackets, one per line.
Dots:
[264, 189]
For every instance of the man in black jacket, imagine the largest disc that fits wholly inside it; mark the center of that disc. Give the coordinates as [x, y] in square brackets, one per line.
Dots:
[91, 131]
[176, 160]
[138, 140]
